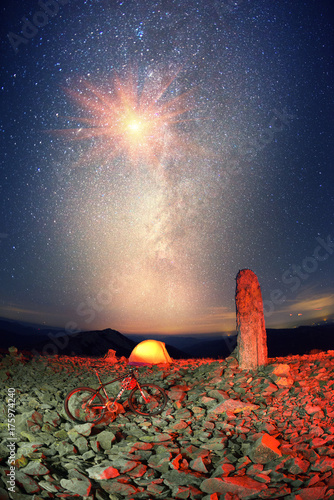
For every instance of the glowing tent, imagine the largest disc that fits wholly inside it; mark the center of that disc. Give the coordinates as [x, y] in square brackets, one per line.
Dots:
[149, 352]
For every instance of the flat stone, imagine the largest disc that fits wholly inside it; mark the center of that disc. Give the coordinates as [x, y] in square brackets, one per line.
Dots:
[224, 470]
[314, 493]
[243, 486]
[160, 462]
[84, 429]
[138, 471]
[26, 482]
[233, 405]
[311, 409]
[49, 486]
[298, 466]
[179, 426]
[214, 444]
[35, 469]
[125, 489]
[105, 439]
[62, 434]
[198, 465]
[156, 438]
[181, 478]
[155, 489]
[102, 472]
[323, 464]
[123, 465]
[52, 417]
[65, 448]
[76, 485]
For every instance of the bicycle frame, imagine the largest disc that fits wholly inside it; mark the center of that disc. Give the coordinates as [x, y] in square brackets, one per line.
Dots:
[123, 389]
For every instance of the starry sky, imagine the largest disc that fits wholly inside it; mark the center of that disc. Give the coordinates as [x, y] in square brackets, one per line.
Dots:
[152, 149]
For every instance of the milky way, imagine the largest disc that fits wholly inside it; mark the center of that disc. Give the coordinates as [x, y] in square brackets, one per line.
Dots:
[150, 150]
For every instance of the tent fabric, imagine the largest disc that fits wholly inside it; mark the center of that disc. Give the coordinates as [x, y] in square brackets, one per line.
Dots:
[149, 352]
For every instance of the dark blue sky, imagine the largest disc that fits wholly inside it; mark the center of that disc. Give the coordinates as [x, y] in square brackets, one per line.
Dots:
[143, 226]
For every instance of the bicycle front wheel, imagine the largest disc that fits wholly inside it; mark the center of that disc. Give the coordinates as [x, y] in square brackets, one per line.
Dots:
[148, 399]
[85, 405]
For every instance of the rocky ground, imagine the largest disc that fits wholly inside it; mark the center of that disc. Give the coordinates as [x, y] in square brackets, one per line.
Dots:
[225, 433]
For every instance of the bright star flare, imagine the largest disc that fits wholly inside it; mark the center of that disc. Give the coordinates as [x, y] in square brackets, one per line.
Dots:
[125, 119]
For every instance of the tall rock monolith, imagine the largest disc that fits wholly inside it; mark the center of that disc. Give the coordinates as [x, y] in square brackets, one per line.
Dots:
[252, 348]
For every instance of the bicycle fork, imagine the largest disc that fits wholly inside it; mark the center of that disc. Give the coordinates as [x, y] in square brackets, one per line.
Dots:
[147, 400]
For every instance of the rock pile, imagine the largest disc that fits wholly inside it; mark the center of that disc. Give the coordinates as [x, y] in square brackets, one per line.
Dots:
[225, 433]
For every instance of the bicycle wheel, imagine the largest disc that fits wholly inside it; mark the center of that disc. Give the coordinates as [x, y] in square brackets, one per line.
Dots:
[79, 407]
[149, 399]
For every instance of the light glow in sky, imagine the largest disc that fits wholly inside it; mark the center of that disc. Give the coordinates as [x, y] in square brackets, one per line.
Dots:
[151, 150]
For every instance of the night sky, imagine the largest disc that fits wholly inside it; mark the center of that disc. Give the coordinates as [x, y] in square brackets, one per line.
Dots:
[150, 150]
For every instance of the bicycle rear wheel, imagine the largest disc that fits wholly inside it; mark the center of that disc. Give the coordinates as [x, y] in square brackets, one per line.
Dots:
[84, 404]
[149, 399]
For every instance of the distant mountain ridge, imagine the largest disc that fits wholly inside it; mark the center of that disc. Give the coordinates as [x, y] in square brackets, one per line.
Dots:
[55, 341]
[45, 341]
[281, 342]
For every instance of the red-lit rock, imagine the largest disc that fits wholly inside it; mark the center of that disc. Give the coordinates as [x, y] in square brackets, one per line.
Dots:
[178, 426]
[311, 409]
[141, 446]
[155, 489]
[262, 478]
[175, 463]
[124, 489]
[265, 449]
[110, 357]
[244, 486]
[36, 418]
[102, 472]
[138, 471]
[281, 375]
[225, 469]
[233, 405]
[176, 395]
[298, 466]
[254, 469]
[181, 492]
[252, 337]
[323, 464]
[269, 389]
[198, 465]
[314, 493]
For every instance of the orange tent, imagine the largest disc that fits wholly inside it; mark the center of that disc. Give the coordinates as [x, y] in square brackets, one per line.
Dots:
[150, 352]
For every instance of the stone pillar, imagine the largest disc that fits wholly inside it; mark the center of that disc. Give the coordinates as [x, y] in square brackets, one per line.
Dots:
[252, 337]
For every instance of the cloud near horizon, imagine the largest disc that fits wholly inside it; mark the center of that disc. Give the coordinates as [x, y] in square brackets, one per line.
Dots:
[305, 309]
[308, 307]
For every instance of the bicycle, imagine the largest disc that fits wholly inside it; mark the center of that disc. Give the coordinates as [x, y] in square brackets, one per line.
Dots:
[88, 405]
